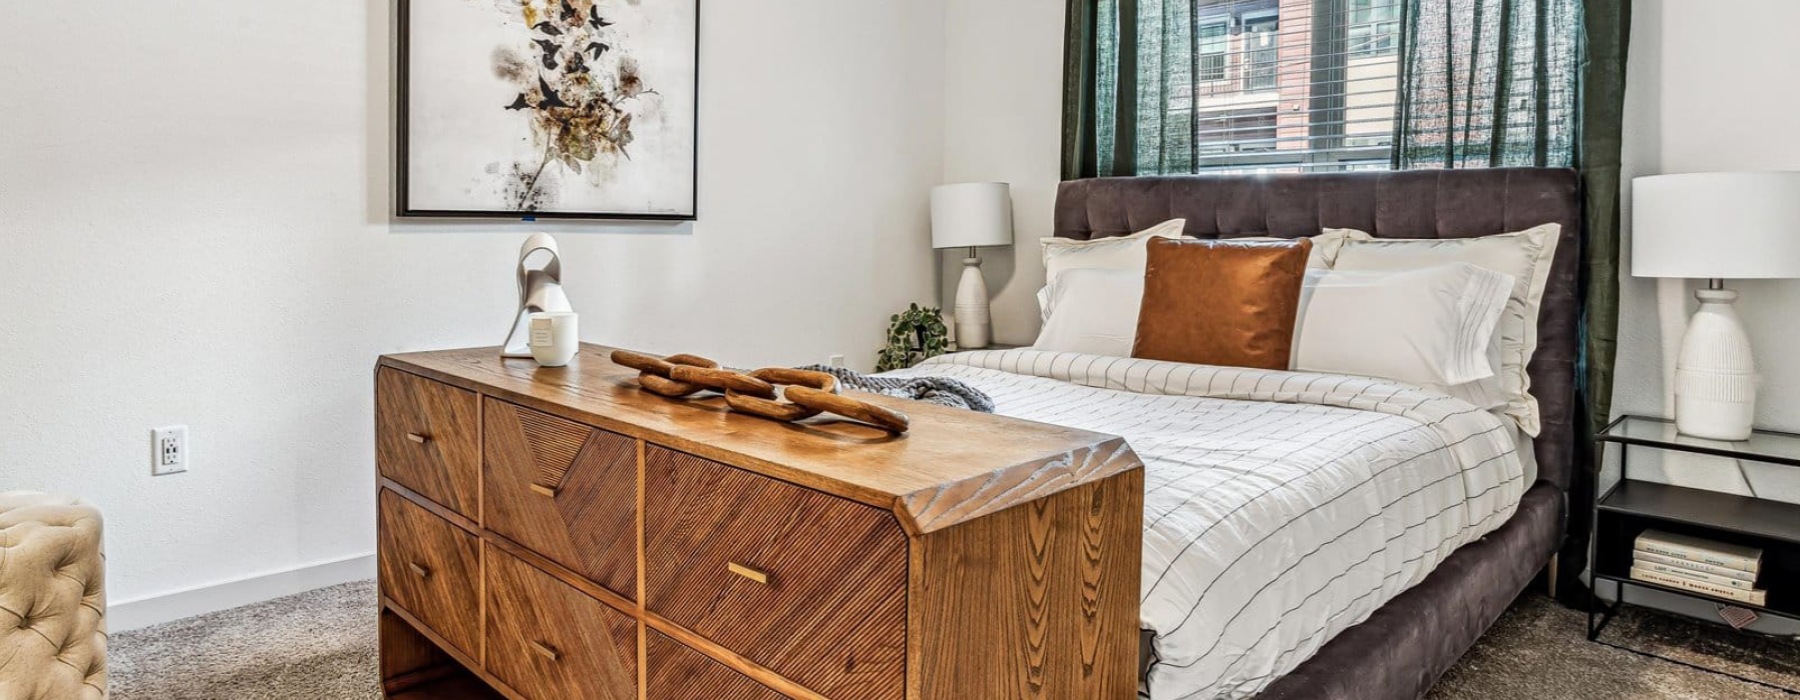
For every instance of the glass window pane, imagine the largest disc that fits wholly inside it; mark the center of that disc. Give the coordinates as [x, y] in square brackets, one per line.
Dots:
[1266, 85]
[1213, 37]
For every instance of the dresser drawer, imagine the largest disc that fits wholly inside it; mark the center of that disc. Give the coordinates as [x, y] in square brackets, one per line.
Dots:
[426, 438]
[430, 568]
[675, 672]
[564, 490]
[808, 585]
[551, 642]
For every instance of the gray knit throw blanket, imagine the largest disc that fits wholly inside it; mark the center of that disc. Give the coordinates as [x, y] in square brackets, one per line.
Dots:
[942, 391]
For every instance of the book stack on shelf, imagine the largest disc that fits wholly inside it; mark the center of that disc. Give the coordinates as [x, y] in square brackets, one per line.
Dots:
[1698, 565]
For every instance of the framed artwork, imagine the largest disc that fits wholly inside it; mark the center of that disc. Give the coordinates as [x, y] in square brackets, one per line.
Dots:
[581, 109]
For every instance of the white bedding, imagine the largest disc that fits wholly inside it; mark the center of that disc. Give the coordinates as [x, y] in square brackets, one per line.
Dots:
[1281, 507]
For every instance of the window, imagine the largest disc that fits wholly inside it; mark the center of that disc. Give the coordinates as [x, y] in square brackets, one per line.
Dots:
[1317, 85]
[1374, 27]
[1260, 51]
[1214, 37]
[1263, 86]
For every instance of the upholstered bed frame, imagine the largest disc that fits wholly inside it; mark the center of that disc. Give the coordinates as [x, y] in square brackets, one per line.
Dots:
[1402, 649]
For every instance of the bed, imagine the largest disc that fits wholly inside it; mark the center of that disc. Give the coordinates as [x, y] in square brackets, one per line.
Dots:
[1313, 535]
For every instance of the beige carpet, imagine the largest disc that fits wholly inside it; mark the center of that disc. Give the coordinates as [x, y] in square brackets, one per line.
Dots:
[321, 645]
[318, 645]
[1539, 650]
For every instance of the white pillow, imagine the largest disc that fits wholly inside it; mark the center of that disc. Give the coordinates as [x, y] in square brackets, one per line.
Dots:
[1117, 253]
[1525, 255]
[1325, 245]
[1096, 312]
[1430, 326]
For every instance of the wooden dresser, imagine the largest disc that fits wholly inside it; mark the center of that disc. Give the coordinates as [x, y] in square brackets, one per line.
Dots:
[555, 534]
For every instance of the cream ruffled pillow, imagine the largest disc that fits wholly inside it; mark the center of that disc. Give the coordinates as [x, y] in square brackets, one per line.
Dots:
[1526, 255]
[1115, 253]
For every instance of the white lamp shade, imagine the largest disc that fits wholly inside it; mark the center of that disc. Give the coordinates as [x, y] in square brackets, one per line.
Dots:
[1716, 225]
[971, 215]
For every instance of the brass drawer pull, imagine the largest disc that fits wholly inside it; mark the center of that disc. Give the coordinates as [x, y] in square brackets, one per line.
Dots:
[420, 438]
[544, 491]
[747, 572]
[546, 651]
[419, 569]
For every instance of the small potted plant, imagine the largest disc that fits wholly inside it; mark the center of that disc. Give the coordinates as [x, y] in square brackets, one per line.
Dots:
[913, 335]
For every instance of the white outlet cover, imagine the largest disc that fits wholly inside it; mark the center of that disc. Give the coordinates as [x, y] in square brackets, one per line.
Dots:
[169, 451]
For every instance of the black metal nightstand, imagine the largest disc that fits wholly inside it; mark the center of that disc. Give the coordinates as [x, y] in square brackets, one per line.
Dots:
[1630, 507]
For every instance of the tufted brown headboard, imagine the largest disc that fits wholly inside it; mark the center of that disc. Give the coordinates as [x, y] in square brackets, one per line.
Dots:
[1402, 204]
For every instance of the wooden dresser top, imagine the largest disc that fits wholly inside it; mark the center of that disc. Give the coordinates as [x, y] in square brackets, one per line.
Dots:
[954, 466]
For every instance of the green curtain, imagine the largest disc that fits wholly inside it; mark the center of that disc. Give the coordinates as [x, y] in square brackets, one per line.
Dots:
[1607, 25]
[1487, 83]
[1606, 37]
[1099, 109]
[1080, 108]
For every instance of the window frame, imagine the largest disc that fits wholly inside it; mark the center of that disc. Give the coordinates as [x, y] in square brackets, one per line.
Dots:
[1371, 28]
[1203, 56]
[1251, 66]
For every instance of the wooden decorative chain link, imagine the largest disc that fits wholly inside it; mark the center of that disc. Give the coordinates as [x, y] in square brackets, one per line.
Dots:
[654, 373]
[804, 393]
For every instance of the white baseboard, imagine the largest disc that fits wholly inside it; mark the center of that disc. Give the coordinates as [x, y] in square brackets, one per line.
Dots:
[157, 609]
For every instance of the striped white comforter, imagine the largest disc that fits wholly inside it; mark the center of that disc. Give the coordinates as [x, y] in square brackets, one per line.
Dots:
[1281, 507]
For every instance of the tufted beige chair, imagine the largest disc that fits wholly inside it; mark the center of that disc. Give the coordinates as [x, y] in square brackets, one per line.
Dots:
[52, 599]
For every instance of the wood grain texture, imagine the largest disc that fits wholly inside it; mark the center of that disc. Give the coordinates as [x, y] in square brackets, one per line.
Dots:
[933, 508]
[430, 568]
[865, 464]
[730, 658]
[723, 380]
[407, 657]
[882, 417]
[414, 666]
[459, 520]
[675, 672]
[564, 490]
[496, 543]
[458, 687]
[1036, 602]
[832, 614]
[550, 641]
[426, 436]
[464, 661]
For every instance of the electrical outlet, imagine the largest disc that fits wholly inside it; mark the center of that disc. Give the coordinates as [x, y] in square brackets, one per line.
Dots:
[169, 450]
[835, 361]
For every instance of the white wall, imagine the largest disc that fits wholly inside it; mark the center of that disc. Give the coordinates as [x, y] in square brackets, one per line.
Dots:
[1003, 123]
[194, 229]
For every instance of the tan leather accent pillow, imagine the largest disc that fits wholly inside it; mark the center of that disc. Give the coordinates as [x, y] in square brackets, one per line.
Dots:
[1230, 303]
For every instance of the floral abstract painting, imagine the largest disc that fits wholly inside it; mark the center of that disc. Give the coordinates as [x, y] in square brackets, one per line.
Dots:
[553, 108]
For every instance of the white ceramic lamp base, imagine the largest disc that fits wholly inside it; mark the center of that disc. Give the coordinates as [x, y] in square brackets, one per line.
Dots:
[972, 321]
[1715, 377]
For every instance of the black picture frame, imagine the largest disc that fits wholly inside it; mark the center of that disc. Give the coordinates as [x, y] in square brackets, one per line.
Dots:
[403, 145]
